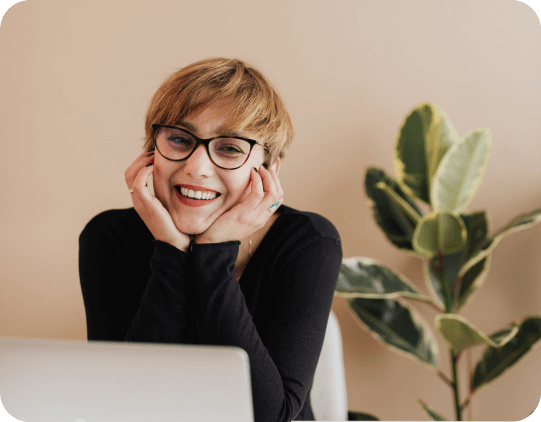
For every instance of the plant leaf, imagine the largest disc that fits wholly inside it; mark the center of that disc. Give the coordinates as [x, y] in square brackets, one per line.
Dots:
[523, 221]
[441, 272]
[400, 203]
[477, 231]
[460, 172]
[424, 138]
[398, 326]
[365, 277]
[396, 217]
[496, 360]
[439, 232]
[471, 281]
[432, 413]
[358, 416]
[460, 333]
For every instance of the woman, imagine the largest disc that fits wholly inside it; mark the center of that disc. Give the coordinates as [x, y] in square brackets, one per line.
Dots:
[214, 257]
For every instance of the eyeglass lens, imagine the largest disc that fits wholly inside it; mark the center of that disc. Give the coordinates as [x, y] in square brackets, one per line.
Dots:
[177, 144]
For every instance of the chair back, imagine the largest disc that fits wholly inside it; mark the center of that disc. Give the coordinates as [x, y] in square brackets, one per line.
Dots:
[328, 395]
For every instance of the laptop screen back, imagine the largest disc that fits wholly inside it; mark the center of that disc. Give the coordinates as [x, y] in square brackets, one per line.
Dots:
[51, 380]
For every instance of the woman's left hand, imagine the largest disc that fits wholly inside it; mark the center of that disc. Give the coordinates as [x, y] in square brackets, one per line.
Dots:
[249, 215]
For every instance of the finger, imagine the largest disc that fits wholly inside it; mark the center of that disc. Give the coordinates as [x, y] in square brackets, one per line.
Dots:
[140, 162]
[256, 191]
[139, 186]
[275, 195]
[277, 183]
[269, 184]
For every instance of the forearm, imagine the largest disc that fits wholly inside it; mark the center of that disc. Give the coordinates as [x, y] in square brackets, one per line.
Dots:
[283, 350]
[164, 309]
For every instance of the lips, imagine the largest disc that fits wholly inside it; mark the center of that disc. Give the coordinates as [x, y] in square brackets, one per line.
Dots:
[194, 202]
[196, 188]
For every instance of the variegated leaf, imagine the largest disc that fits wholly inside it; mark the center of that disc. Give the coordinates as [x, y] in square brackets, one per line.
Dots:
[424, 138]
[518, 223]
[365, 277]
[460, 333]
[395, 212]
[439, 232]
[495, 361]
[460, 172]
[396, 325]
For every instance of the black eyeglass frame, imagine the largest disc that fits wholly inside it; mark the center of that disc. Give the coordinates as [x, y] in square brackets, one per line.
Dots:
[205, 142]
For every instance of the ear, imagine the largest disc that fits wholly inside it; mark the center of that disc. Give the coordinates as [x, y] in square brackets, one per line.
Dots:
[276, 165]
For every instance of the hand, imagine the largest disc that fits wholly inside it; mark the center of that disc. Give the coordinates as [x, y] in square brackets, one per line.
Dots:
[150, 209]
[250, 215]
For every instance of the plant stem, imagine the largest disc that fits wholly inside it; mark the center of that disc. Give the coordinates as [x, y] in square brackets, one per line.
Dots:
[458, 409]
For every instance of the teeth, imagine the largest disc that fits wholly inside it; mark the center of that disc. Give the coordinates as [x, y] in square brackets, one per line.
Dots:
[197, 194]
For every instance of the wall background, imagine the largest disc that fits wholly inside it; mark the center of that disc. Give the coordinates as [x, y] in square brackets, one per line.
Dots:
[77, 78]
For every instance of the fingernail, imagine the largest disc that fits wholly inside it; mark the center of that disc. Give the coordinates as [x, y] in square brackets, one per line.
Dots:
[149, 164]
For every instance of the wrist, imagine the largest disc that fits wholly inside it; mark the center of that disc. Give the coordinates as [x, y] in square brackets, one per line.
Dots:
[181, 244]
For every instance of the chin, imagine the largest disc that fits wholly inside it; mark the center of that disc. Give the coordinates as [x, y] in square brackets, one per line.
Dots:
[190, 227]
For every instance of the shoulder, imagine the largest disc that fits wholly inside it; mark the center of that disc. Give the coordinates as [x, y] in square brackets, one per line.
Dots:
[300, 232]
[113, 224]
[309, 222]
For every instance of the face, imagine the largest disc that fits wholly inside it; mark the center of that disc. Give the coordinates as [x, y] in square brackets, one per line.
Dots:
[198, 173]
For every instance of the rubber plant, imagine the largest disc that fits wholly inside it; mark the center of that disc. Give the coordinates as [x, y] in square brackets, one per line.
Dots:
[436, 166]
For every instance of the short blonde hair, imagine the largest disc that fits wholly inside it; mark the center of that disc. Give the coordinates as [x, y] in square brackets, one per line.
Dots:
[256, 105]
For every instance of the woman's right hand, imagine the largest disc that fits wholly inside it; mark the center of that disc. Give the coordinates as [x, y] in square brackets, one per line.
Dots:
[150, 209]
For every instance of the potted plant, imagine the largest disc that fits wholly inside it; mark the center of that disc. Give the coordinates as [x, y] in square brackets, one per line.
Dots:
[436, 166]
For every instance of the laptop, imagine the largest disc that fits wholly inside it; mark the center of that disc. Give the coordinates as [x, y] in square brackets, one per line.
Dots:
[98, 381]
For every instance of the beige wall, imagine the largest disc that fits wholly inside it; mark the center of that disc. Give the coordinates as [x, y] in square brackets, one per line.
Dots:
[77, 76]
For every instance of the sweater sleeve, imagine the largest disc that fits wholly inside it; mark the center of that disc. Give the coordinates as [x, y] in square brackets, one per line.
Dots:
[283, 358]
[162, 314]
[109, 283]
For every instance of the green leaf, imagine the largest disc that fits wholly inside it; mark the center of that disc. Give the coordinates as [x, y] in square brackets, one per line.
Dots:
[477, 231]
[358, 416]
[365, 277]
[439, 232]
[497, 360]
[432, 413]
[518, 223]
[398, 326]
[424, 138]
[471, 281]
[460, 172]
[468, 283]
[394, 211]
[441, 272]
[460, 333]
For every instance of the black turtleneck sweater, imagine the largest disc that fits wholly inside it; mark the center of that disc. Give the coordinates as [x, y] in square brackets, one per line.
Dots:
[141, 290]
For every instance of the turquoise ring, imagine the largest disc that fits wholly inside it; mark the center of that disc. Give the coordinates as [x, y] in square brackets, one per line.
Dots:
[274, 206]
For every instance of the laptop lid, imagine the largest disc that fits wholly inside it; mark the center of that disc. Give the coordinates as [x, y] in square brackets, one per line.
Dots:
[53, 380]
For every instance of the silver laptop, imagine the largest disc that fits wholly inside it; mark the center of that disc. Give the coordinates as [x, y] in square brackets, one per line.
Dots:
[79, 381]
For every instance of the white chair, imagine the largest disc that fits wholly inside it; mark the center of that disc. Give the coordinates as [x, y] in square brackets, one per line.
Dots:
[328, 395]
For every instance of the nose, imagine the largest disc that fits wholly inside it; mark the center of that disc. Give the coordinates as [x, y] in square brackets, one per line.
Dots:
[199, 164]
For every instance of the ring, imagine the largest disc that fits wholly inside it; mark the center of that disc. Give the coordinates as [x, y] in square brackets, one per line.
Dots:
[274, 206]
[131, 190]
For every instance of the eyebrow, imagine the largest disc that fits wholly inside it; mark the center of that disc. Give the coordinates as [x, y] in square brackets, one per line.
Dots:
[220, 131]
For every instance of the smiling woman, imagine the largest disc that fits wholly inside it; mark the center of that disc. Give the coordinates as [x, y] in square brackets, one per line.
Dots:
[215, 257]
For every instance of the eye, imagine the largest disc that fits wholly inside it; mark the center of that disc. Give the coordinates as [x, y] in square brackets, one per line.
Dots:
[179, 139]
[230, 148]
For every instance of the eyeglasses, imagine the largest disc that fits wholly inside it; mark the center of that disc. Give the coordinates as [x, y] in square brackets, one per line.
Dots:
[226, 152]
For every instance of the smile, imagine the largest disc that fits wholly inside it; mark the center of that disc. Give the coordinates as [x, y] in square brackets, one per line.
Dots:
[195, 198]
[190, 193]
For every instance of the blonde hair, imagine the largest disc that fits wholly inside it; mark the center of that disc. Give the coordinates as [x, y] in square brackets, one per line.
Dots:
[256, 106]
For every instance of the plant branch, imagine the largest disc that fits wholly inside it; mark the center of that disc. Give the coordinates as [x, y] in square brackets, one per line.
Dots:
[458, 409]
[444, 378]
